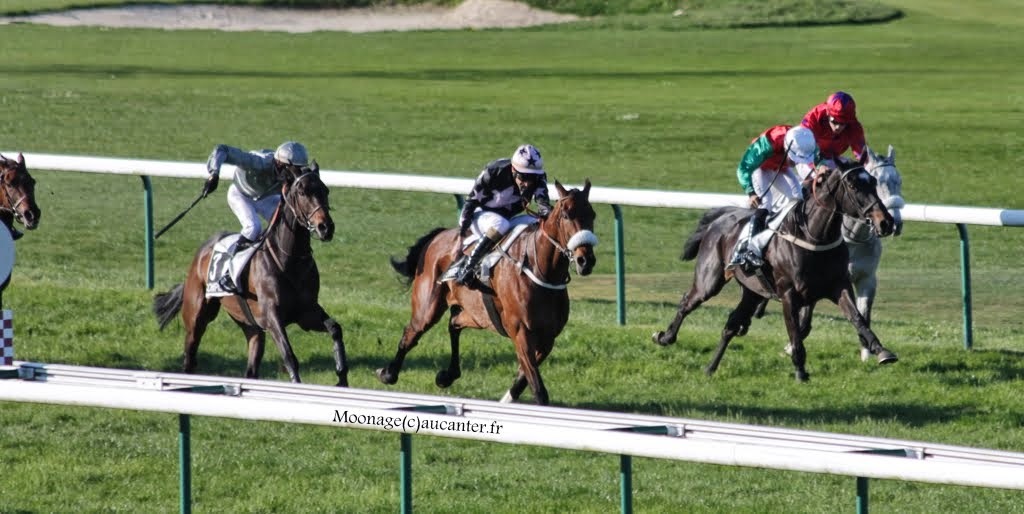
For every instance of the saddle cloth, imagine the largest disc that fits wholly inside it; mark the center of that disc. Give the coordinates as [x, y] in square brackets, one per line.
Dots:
[223, 261]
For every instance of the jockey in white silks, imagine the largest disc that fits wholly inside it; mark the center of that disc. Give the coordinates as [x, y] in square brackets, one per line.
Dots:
[767, 174]
[497, 201]
[256, 188]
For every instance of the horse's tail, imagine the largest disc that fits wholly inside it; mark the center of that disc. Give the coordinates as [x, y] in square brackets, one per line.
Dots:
[167, 305]
[407, 268]
[692, 245]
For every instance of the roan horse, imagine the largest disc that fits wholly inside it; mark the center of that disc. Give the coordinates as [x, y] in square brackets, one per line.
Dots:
[527, 303]
[804, 263]
[18, 194]
[281, 287]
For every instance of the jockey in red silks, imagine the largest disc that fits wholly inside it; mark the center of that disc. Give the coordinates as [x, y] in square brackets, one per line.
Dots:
[836, 129]
[767, 174]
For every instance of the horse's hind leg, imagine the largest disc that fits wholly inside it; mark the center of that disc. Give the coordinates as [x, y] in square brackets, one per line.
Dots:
[196, 314]
[446, 377]
[738, 322]
[319, 321]
[707, 283]
[427, 308]
[867, 337]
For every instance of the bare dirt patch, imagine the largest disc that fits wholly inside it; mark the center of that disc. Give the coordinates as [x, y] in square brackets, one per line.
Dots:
[471, 14]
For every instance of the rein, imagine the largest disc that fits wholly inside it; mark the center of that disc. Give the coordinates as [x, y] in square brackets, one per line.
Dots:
[13, 208]
[812, 246]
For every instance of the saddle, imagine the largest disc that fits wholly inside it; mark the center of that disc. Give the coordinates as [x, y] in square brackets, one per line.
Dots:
[224, 260]
[490, 260]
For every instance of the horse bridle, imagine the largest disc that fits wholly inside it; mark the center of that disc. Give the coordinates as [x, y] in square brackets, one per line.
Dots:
[846, 191]
[295, 212]
[7, 193]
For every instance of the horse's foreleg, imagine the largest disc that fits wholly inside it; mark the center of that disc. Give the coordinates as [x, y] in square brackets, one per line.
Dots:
[284, 345]
[257, 342]
[738, 322]
[701, 290]
[519, 383]
[868, 339]
[446, 377]
[798, 321]
[316, 319]
[530, 356]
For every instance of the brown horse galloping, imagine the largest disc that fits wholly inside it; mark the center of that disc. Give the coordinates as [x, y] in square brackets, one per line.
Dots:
[805, 263]
[527, 289]
[282, 286]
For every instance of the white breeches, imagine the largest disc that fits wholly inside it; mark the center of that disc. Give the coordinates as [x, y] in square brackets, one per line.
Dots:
[487, 222]
[777, 192]
[249, 211]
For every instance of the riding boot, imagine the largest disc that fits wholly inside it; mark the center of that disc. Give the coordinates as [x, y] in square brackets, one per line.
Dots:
[745, 253]
[482, 248]
[225, 282]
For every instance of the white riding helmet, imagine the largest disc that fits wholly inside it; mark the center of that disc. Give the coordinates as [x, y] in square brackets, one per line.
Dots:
[800, 145]
[292, 153]
[527, 159]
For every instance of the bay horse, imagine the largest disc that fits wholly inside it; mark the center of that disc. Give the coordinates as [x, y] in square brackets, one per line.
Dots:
[281, 286]
[804, 263]
[18, 194]
[528, 301]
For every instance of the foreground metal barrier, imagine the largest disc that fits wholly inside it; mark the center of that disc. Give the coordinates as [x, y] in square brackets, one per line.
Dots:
[623, 434]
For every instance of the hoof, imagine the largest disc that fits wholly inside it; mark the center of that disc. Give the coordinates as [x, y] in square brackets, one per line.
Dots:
[342, 381]
[385, 377]
[887, 357]
[788, 349]
[507, 398]
[657, 338]
[802, 376]
[865, 354]
[444, 379]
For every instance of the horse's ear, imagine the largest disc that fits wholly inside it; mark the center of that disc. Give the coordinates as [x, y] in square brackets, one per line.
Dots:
[561, 189]
[892, 154]
[314, 167]
[21, 158]
[866, 156]
[586, 186]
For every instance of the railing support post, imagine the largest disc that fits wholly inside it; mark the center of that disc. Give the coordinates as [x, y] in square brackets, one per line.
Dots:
[148, 201]
[185, 464]
[862, 495]
[965, 285]
[626, 483]
[620, 266]
[406, 473]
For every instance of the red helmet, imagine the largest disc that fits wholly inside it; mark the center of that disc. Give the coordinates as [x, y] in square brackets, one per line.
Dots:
[841, 107]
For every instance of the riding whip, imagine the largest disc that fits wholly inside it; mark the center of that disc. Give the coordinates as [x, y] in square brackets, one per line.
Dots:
[178, 217]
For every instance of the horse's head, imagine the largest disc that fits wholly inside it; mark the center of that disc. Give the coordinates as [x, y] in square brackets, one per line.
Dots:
[18, 191]
[571, 225]
[890, 183]
[853, 190]
[306, 198]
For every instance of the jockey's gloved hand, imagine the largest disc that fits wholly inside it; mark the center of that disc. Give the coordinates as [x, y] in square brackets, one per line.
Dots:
[211, 185]
[543, 210]
[464, 227]
[755, 201]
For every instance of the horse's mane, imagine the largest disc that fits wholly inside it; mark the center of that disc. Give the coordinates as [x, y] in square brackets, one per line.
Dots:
[407, 268]
[692, 245]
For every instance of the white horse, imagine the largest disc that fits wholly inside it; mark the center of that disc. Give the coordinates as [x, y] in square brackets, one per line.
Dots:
[863, 244]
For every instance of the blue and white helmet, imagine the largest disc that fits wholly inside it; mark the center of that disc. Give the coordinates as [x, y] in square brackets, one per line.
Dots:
[292, 153]
[800, 145]
[526, 159]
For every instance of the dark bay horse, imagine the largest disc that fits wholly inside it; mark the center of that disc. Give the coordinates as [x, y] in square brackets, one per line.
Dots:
[804, 263]
[527, 290]
[281, 286]
[17, 194]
